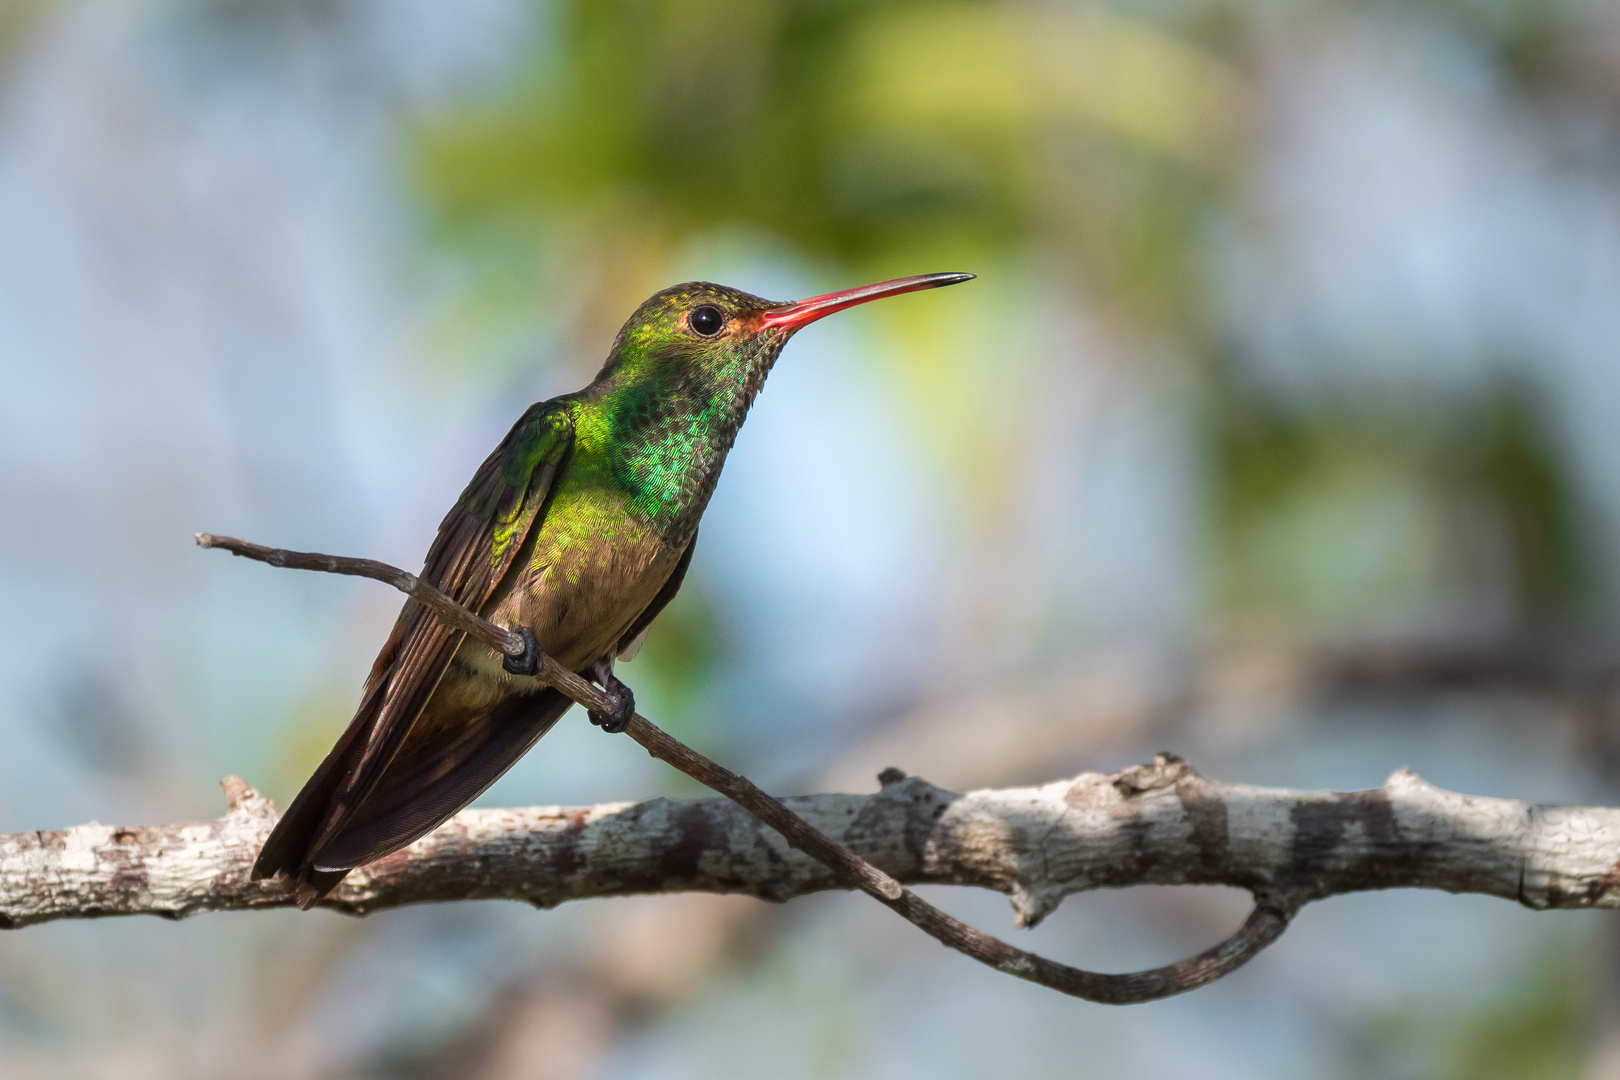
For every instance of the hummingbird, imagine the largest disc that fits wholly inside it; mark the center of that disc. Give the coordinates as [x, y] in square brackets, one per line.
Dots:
[575, 532]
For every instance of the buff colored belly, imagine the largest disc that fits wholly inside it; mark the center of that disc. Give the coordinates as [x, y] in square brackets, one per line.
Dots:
[580, 605]
[594, 570]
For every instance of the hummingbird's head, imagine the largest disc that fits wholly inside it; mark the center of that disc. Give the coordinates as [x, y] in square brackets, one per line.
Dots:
[700, 331]
[681, 377]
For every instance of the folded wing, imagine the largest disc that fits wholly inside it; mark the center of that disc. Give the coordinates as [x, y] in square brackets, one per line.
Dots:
[341, 818]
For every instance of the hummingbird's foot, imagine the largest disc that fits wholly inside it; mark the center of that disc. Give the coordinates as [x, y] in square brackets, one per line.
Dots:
[614, 722]
[530, 662]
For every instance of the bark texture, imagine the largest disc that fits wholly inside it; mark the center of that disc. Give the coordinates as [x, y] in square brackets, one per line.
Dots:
[1152, 824]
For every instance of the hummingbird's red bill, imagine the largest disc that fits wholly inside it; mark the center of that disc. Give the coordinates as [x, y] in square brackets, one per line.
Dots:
[792, 316]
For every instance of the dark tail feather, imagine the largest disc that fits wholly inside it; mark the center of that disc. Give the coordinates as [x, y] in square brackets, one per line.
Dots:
[285, 849]
[313, 886]
[420, 790]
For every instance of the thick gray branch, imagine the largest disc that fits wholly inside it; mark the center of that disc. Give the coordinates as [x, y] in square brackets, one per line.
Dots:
[1160, 823]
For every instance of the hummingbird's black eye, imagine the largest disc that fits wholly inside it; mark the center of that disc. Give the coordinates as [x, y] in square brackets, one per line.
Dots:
[706, 321]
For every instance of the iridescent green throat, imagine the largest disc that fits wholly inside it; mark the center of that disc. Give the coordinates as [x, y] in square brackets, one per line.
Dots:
[672, 420]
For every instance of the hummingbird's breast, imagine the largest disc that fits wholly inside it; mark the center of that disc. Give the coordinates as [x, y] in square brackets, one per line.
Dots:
[596, 562]
[622, 512]
[597, 565]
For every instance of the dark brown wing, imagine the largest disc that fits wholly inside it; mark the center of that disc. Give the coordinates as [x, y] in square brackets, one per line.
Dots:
[430, 780]
[477, 545]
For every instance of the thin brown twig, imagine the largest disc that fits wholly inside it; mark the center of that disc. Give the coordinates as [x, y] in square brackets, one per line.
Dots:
[450, 612]
[1263, 926]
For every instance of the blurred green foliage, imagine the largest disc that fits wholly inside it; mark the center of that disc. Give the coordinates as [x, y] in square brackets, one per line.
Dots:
[879, 136]
[678, 659]
[1468, 499]
[1085, 152]
[1536, 1032]
[17, 19]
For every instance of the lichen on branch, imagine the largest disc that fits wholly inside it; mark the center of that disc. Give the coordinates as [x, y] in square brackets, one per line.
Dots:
[1155, 824]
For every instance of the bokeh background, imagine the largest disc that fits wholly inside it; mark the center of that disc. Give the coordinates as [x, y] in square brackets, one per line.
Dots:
[1279, 430]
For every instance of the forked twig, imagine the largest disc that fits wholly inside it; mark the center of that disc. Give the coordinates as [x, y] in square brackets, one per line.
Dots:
[1263, 926]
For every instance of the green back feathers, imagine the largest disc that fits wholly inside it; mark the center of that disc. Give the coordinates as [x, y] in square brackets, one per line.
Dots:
[508, 492]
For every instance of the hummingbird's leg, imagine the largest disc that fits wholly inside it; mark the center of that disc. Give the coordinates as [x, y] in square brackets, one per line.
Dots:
[612, 722]
[529, 663]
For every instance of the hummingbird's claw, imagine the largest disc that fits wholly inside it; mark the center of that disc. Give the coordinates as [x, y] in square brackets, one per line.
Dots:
[614, 722]
[529, 662]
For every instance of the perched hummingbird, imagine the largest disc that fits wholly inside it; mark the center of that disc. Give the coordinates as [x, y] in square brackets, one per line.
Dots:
[575, 532]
